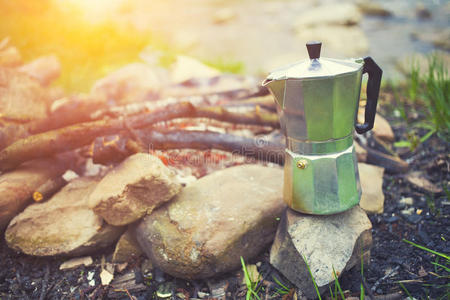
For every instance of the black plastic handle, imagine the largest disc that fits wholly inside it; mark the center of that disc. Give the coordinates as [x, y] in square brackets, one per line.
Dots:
[373, 89]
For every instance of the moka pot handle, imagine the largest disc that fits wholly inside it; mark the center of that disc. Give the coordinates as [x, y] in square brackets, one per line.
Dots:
[373, 89]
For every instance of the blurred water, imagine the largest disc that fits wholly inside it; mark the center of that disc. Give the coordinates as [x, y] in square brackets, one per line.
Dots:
[392, 38]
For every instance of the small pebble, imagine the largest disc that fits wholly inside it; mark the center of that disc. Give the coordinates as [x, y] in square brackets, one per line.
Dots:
[392, 219]
[90, 275]
[407, 201]
[414, 218]
[408, 212]
[202, 295]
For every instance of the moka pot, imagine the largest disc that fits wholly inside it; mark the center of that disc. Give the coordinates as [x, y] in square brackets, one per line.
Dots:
[317, 102]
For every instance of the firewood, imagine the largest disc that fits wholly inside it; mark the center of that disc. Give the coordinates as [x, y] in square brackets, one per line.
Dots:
[116, 148]
[17, 187]
[50, 187]
[391, 163]
[72, 137]
[71, 110]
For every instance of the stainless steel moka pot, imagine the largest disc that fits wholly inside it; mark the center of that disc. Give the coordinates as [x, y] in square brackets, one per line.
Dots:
[317, 102]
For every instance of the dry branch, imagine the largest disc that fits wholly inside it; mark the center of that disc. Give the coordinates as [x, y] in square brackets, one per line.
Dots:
[72, 137]
[116, 148]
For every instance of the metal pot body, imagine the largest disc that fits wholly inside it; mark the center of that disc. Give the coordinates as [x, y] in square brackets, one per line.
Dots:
[320, 109]
[317, 117]
[317, 102]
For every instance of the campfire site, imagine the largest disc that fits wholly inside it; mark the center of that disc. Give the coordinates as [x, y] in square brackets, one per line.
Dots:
[141, 158]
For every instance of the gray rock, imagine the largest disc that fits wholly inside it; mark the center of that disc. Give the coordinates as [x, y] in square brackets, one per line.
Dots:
[214, 221]
[64, 225]
[133, 188]
[422, 12]
[325, 242]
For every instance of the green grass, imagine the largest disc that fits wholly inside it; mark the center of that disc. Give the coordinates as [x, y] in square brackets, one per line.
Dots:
[430, 91]
[281, 289]
[441, 270]
[253, 287]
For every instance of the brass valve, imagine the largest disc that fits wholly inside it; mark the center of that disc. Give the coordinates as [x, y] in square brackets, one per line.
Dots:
[302, 164]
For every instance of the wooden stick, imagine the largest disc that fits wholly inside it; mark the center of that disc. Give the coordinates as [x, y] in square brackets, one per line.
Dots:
[72, 137]
[116, 148]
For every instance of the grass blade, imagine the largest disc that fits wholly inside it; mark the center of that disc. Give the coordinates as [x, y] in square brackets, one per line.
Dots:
[336, 282]
[312, 277]
[406, 291]
[428, 250]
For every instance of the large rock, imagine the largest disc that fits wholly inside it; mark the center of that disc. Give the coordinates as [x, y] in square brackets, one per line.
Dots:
[21, 97]
[342, 40]
[64, 225]
[132, 83]
[134, 188]
[371, 178]
[17, 186]
[44, 69]
[325, 242]
[341, 14]
[214, 221]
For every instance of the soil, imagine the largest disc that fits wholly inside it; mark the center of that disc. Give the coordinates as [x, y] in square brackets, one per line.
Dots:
[393, 261]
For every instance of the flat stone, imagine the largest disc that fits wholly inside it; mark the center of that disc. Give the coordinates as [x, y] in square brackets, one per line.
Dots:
[133, 188]
[132, 83]
[341, 14]
[127, 248]
[63, 225]
[324, 242]
[214, 221]
[76, 262]
[371, 178]
[44, 69]
[18, 186]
